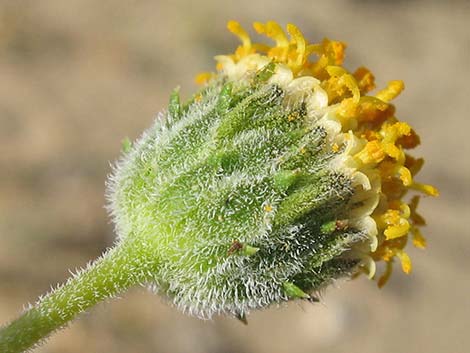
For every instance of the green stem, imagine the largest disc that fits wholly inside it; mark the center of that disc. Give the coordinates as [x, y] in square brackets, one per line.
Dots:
[118, 269]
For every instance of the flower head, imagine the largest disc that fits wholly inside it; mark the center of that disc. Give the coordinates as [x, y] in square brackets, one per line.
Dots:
[279, 176]
[369, 140]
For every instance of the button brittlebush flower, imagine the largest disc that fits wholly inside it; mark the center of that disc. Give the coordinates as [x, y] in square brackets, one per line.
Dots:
[363, 131]
[279, 176]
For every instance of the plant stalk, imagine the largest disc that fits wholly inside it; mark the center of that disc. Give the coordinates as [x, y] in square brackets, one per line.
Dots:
[117, 270]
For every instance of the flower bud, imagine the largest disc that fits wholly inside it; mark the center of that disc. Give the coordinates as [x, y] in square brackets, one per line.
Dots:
[279, 176]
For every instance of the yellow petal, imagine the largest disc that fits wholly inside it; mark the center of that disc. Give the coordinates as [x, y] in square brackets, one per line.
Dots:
[405, 261]
[397, 231]
[427, 189]
[418, 240]
[237, 29]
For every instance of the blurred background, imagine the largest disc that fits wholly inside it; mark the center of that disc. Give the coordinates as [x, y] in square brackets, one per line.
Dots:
[78, 76]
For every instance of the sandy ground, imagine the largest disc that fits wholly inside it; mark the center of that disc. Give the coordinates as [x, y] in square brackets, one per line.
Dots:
[78, 76]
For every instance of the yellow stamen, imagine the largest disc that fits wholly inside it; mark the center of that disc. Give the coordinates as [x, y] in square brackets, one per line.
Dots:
[397, 231]
[396, 222]
[345, 79]
[334, 51]
[418, 240]
[365, 79]
[203, 78]
[411, 140]
[391, 133]
[239, 31]
[347, 108]
[405, 176]
[391, 150]
[259, 27]
[300, 45]
[372, 153]
[427, 189]
[405, 261]
[272, 30]
[393, 89]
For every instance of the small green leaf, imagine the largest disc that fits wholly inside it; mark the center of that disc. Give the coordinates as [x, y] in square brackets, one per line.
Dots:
[249, 250]
[328, 227]
[126, 145]
[284, 179]
[174, 106]
[225, 98]
[266, 72]
[294, 292]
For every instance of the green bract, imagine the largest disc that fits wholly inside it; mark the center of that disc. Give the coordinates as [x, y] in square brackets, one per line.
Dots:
[234, 193]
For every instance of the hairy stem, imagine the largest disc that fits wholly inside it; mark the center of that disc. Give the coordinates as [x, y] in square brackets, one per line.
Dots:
[117, 270]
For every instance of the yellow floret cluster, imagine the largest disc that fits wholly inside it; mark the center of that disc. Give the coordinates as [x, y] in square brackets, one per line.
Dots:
[371, 140]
